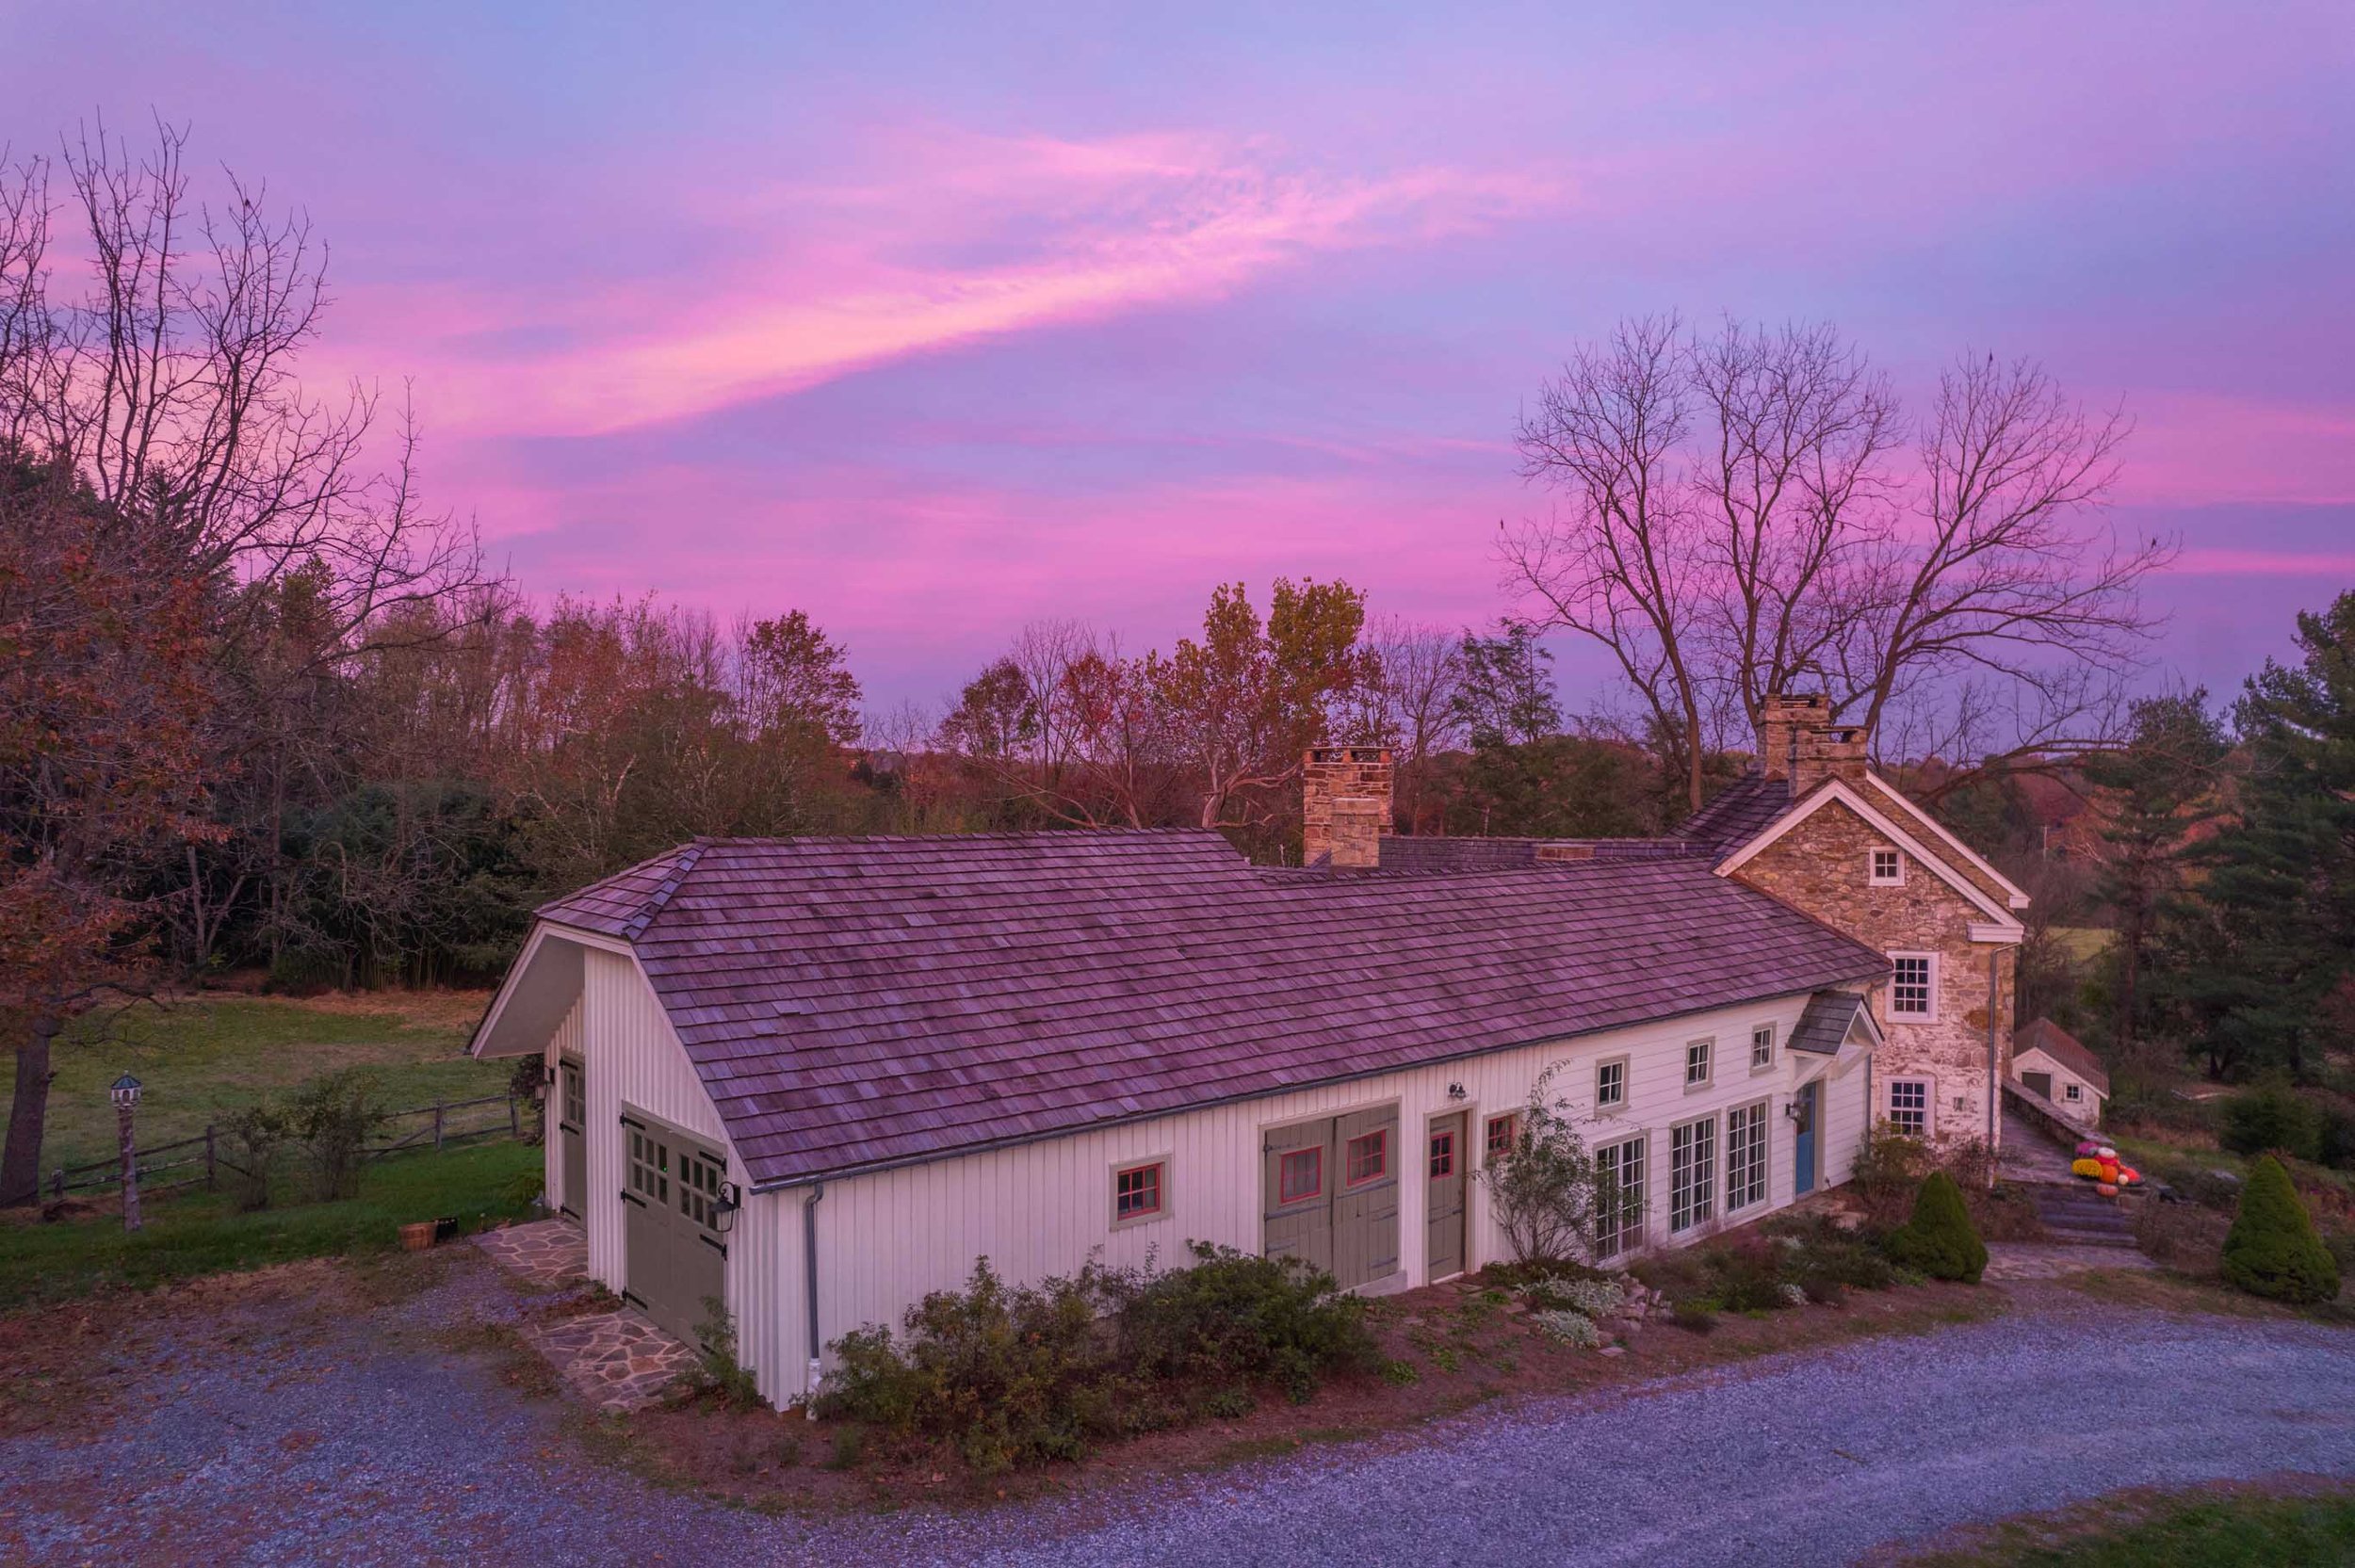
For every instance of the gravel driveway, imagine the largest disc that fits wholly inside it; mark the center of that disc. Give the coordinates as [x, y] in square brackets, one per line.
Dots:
[342, 1437]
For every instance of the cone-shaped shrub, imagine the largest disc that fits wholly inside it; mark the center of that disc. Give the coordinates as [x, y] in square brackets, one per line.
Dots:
[2273, 1249]
[1938, 1240]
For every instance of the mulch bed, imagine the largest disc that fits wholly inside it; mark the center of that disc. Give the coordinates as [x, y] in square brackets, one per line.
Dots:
[1466, 1354]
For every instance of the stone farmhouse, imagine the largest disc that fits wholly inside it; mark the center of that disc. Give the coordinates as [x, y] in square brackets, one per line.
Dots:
[814, 1079]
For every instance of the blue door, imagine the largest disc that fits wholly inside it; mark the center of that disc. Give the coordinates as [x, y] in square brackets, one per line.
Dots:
[1803, 1161]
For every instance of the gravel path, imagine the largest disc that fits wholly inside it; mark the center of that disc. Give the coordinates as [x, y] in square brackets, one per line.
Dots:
[326, 1437]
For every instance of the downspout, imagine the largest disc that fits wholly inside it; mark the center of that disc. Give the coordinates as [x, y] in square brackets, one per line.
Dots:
[809, 1292]
[1995, 1066]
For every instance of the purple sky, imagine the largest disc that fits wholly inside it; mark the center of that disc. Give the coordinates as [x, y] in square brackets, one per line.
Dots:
[932, 322]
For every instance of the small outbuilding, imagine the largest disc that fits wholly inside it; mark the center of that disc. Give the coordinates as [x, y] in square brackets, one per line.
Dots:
[2048, 1060]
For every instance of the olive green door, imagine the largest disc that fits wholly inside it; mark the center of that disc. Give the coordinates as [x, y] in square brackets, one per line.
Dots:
[572, 1132]
[1443, 1198]
[1296, 1181]
[674, 1261]
[2037, 1083]
[1365, 1207]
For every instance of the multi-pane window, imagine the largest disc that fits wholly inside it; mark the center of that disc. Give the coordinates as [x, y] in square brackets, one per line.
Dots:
[1369, 1156]
[1137, 1191]
[699, 1181]
[1762, 1046]
[649, 1167]
[1909, 985]
[1300, 1174]
[2074, 1091]
[1696, 1057]
[1889, 868]
[1504, 1133]
[1610, 1084]
[575, 1097]
[1620, 1216]
[1691, 1174]
[1910, 1107]
[1745, 1157]
[1442, 1155]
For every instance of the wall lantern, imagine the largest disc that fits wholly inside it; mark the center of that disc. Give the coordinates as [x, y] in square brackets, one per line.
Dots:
[1456, 1091]
[723, 1207]
[1791, 1109]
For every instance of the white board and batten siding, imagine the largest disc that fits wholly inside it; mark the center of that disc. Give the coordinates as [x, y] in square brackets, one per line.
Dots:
[1042, 1208]
[566, 1042]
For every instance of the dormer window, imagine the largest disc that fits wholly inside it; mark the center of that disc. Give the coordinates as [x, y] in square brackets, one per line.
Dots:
[1888, 868]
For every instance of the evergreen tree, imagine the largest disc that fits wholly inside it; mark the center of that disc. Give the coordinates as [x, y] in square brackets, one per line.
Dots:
[2160, 788]
[2254, 960]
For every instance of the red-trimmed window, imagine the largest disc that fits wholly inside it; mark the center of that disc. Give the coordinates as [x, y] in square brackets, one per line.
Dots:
[1137, 1191]
[1299, 1175]
[1504, 1133]
[1369, 1157]
[1442, 1154]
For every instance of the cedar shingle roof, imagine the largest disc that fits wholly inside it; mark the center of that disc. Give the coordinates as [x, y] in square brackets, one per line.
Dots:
[851, 1003]
[2054, 1041]
[1409, 852]
[1825, 1023]
[1737, 814]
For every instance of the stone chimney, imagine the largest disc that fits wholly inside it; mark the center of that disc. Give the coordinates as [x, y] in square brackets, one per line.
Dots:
[1798, 740]
[1345, 804]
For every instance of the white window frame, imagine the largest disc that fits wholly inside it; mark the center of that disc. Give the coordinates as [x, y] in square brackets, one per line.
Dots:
[1929, 1107]
[1602, 1104]
[2073, 1091]
[1873, 874]
[1168, 1196]
[1762, 1034]
[1707, 1046]
[1929, 1016]
[1693, 1196]
[1747, 1180]
[1628, 1235]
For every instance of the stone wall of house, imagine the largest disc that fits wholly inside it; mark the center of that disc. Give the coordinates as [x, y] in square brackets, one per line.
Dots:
[1824, 868]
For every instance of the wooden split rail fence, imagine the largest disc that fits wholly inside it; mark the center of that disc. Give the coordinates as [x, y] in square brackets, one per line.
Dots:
[200, 1159]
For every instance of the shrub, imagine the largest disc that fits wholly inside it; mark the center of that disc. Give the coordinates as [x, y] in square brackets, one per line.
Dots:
[1570, 1328]
[2272, 1116]
[1938, 1240]
[2272, 1249]
[716, 1356]
[334, 1116]
[1013, 1375]
[1544, 1190]
[1236, 1317]
[1594, 1297]
[257, 1136]
[2335, 1147]
[1694, 1316]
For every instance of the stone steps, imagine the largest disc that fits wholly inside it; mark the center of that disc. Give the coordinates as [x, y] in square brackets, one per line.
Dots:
[2083, 1218]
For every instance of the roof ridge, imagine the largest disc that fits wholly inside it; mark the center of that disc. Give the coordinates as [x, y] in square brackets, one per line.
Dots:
[665, 889]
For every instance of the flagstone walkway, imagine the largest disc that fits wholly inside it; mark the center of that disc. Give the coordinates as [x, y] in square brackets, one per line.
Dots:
[617, 1360]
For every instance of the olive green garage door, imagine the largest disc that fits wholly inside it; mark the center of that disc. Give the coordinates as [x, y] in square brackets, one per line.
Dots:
[1331, 1194]
[671, 1257]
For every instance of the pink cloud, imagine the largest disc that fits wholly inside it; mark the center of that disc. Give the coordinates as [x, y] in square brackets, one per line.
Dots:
[960, 239]
[2192, 448]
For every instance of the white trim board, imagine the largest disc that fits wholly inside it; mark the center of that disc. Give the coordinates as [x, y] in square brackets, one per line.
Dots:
[1999, 927]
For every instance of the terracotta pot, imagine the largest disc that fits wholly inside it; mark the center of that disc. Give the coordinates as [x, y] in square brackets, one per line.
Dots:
[417, 1237]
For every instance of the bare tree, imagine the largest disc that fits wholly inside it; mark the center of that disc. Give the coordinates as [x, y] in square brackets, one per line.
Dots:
[1408, 701]
[1626, 564]
[1735, 520]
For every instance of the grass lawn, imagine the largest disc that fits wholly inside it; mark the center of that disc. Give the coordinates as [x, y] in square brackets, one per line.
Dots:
[2082, 942]
[2226, 1530]
[197, 1233]
[204, 1057]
